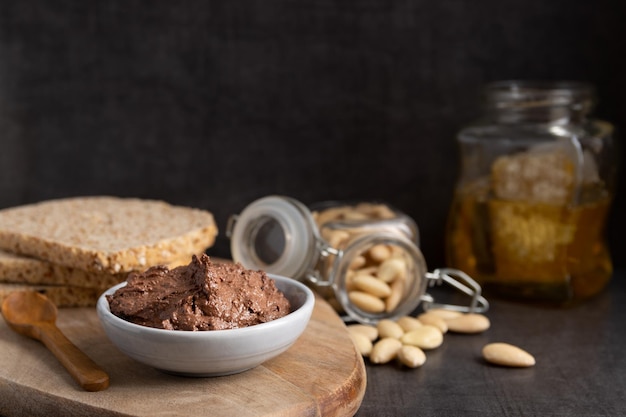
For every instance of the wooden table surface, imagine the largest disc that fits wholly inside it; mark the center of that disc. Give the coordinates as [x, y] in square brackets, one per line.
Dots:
[580, 370]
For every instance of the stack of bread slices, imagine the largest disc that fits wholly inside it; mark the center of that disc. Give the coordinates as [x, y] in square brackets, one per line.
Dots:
[73, 249]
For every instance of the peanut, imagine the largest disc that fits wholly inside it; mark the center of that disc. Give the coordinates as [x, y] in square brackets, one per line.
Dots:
[389, 328]
[366, 302]
[469, 323]
[385, 350]
[507, 355]
[425, 337]
[411, 356]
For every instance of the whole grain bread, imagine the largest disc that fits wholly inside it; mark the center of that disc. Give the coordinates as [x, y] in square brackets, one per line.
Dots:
[18, 269]
[61, 295]
[106, 234]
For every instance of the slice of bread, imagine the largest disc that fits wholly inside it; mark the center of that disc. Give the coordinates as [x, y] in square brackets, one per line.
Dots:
[17, 269]
[61, 295]
[106, 234]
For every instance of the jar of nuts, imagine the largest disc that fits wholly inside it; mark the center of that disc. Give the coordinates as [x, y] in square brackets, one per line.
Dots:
[362, 257]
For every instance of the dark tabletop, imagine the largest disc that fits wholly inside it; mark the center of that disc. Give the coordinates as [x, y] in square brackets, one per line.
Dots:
[580, 370]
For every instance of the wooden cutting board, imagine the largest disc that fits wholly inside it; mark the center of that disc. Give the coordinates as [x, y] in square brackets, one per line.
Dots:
[320, 375]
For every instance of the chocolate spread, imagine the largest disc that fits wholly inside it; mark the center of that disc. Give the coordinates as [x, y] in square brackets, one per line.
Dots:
[200, 296]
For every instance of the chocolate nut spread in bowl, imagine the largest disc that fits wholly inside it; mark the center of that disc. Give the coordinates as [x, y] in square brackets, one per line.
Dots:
[205, 319]
[200, 296]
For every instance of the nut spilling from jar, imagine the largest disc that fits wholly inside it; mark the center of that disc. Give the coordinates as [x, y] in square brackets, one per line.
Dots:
[408, 339]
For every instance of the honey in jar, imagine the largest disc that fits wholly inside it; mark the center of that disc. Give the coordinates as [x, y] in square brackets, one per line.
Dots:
[530, 208]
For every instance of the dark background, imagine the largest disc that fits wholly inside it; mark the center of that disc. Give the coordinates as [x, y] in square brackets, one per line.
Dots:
[214, 104]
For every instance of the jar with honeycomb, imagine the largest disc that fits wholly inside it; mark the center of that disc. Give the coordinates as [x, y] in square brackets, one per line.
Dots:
[537, 178]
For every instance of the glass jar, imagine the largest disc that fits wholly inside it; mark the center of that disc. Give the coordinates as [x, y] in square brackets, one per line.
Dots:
[536, 182]
[362, 257]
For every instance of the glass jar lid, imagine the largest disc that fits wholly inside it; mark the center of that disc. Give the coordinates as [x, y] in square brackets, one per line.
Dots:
[275, 233]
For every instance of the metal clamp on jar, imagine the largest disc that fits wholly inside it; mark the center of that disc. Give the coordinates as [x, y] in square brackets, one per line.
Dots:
[363, 258]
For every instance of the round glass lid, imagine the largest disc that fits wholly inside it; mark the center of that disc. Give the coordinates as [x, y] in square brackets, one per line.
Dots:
[275, 234]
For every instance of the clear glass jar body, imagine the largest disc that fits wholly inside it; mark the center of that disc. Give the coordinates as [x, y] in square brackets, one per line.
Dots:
[372, 268]
[530, 206]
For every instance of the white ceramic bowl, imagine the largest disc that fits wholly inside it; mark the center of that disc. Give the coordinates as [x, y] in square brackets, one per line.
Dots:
[213, 352]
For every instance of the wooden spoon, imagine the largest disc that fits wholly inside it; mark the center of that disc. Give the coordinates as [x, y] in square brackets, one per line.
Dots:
[33, 315]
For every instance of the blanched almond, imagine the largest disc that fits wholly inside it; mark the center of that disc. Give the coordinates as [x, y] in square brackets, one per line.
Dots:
[362, 343]
[391, 269]
[411, 356]
[397, 292]
[336, 238]
[385, 350]
[357, 262]
[425, 337]
[379, 253]
[367, 270]
[469, 323]
[366, 302]
[433, 320]
[409, 323]
[371, 332]
[507, 355]
[445, 313]
[389, 328]
[372, 285]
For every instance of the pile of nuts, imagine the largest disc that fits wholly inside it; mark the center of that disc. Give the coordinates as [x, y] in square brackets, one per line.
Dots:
[407, 338]
[378, 278]
[379, 286]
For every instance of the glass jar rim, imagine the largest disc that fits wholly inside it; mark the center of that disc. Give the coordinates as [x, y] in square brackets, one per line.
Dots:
[535, 93]
[290, 220]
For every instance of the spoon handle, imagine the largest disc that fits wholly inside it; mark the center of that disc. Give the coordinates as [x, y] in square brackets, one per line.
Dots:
[85, 371]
